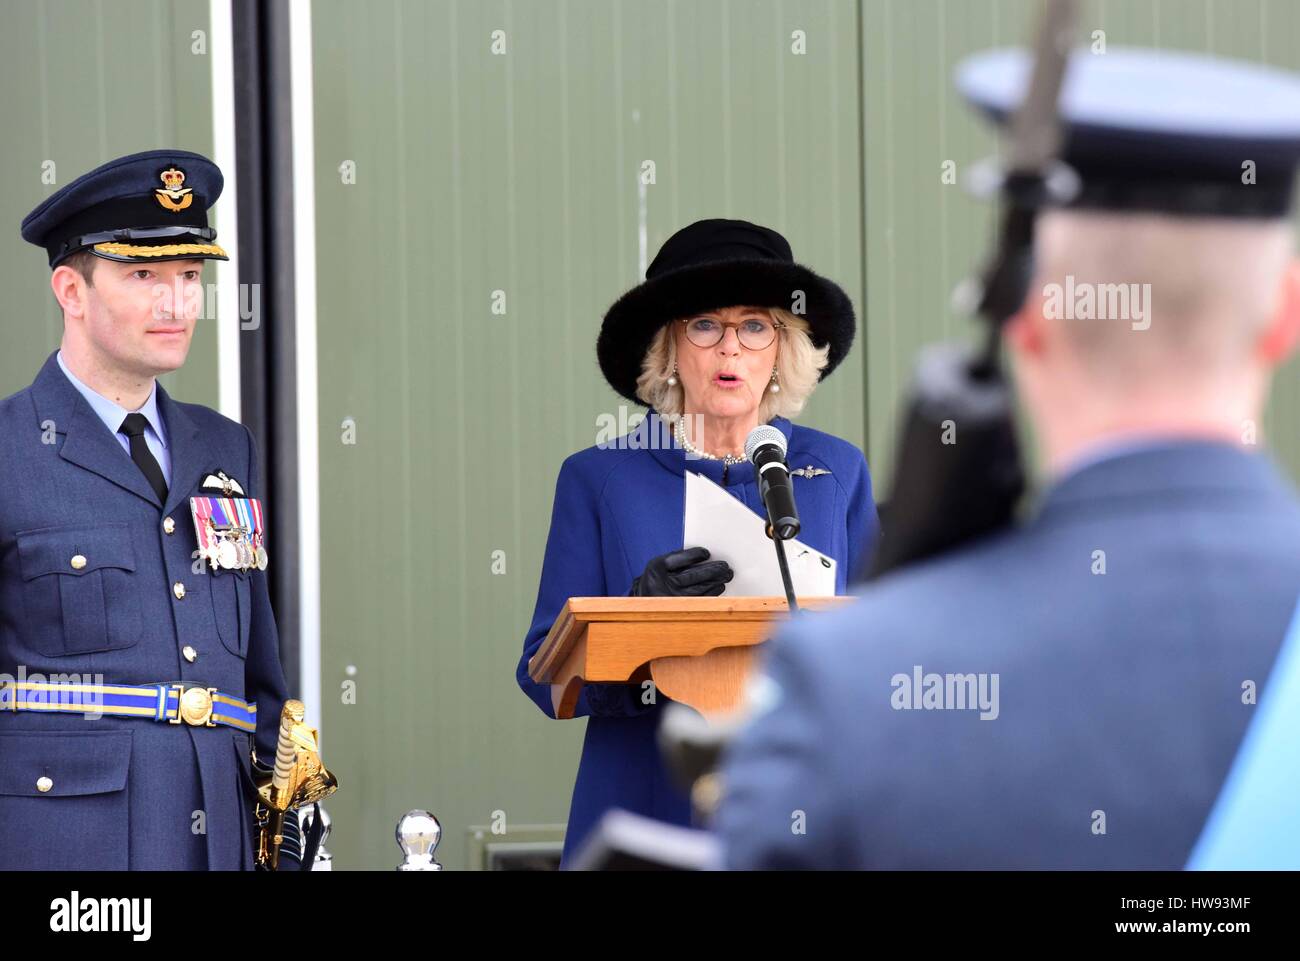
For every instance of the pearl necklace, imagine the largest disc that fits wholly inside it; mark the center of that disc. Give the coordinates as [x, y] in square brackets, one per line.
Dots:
[679, 431]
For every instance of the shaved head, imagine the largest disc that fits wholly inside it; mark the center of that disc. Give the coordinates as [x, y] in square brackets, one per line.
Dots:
[1150, 324]
[1198, 291]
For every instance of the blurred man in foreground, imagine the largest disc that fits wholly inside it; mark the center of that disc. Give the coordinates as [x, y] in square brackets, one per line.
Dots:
[1071, 693]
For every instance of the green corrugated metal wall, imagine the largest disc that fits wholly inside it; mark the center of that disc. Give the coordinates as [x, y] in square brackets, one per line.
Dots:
[476, 173]
[923, 236]
[442, 422]
[82, 82]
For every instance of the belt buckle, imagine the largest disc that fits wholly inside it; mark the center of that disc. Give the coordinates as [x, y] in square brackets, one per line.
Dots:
[193, 706]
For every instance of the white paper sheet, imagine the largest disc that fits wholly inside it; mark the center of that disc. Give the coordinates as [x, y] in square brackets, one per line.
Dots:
[735, 534]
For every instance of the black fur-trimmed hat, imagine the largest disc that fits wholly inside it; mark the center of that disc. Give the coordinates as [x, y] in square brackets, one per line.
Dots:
[713, 264]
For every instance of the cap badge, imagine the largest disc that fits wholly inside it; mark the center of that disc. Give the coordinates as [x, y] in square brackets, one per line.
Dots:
[172, 195]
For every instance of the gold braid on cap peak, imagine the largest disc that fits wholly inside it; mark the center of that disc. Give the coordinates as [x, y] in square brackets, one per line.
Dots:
[163, 250]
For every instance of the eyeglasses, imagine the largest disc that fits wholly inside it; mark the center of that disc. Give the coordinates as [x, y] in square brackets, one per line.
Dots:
[753, 333]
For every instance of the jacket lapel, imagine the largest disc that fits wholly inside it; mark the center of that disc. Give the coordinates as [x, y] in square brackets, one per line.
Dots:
[87, 441]
[188, 455]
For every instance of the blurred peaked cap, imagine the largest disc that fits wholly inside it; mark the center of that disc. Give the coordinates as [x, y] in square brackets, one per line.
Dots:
[1161, 131]
[145, 208]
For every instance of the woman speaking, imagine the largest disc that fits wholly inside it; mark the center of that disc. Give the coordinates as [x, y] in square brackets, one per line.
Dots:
[727, 332]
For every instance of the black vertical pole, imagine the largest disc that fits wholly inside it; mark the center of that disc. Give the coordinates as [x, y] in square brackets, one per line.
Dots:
[264, 172]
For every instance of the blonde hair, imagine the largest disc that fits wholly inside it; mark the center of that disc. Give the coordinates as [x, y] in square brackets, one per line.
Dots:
[799, 364]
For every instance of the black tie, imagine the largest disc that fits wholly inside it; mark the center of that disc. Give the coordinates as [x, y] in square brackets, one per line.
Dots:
[133, 427]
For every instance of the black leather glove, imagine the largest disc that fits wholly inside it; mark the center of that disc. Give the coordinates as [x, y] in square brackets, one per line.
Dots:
[684, 573]
[615, 700]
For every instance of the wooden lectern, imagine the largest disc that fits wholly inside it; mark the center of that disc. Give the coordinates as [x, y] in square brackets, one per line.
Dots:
[697, 650]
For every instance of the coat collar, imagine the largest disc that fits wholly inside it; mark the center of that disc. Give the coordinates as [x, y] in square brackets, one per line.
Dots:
[112, 413]
[88, 442]
[656, 435]
[1168, 467]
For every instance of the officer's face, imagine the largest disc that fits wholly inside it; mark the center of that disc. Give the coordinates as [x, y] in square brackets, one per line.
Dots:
[728, 378]
[140, 317]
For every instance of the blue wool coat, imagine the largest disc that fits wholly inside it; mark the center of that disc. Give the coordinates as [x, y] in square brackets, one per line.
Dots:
[125, 790]
[617, 506]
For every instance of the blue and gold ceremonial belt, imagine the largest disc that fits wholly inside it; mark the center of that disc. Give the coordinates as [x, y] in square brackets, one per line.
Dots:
[174, 703]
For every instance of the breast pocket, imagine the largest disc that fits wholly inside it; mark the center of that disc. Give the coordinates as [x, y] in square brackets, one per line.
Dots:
[231, 607]
[78, 589]
[63, 800]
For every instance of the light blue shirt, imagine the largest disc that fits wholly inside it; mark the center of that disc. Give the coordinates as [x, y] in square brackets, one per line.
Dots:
[1255, 824]
[155, 435]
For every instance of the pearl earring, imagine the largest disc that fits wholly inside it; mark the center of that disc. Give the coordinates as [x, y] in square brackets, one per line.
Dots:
[672, 378]
[775, 388]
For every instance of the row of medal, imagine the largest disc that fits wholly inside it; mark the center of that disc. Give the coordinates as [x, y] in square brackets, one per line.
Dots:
[231, 532]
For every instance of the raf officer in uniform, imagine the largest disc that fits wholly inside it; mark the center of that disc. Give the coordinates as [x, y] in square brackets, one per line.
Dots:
[1128, 620]
[138, 652]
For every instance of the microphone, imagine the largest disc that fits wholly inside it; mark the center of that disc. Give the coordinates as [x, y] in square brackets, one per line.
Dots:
[765, 447]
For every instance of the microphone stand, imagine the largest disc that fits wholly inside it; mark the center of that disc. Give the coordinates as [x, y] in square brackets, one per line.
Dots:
[785, 567]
